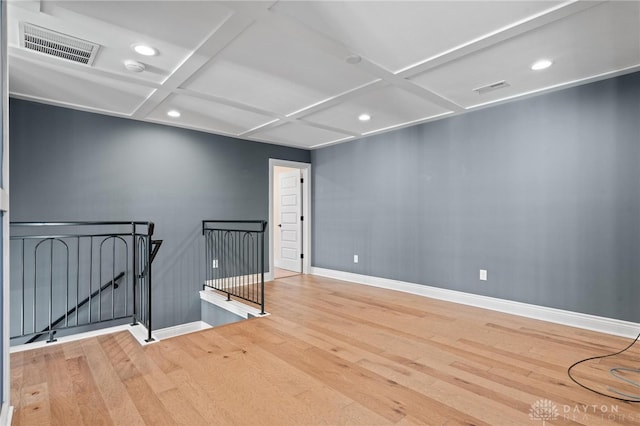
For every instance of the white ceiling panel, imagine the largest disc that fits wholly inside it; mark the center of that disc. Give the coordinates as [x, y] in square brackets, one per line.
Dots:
[400, 34]
[301, 135]
[208, 115]
[276, 71]
[85, 20]
[75, 89]
[387, 106]
[602, 39]
[190, 21]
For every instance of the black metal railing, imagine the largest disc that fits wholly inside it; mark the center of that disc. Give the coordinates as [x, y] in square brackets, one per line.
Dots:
[78, 274]
[234, 258]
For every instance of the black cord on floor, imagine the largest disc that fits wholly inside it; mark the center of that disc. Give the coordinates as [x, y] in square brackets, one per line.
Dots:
[600, 357]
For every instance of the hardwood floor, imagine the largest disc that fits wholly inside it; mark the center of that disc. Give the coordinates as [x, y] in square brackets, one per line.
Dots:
[283, 273]
[330, 353]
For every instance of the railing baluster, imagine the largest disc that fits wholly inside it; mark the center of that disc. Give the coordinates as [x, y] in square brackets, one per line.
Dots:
[254, 267]
[77, 279]
[66, 292]
[113, 276]
[90, 279]
[262, 269]
[22, 280]
[99, 281]
[35, 290]
[149, 338]
[50, 283]
[126, 282]
[134, 245]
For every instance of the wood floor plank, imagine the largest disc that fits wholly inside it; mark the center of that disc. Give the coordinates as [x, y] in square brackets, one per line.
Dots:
[35, 406]
[331, 353]
[65, 410]
[90, 403]
[148, 403]
[199, 399]
[153, 374]
[121, 408]
[180, 409]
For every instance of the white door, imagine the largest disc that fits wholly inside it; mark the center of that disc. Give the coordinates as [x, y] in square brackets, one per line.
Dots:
[289, 224]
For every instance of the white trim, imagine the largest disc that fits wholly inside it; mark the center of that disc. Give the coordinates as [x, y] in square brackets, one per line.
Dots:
[233, 306]
[306, 212]
[138, 331]
[6, 416]
[6, 296]
[179, 330]
[4, 145]
[559, 316]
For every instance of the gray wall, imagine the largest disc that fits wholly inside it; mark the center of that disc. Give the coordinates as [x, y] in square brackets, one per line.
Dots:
[215, 315]
[72, 165]
[543, 193]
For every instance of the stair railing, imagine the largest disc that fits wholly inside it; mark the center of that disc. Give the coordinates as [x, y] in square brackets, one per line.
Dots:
[234, 258]
[66, 275]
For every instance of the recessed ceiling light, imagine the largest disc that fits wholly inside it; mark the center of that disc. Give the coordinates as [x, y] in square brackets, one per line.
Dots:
[145, 50]
[541, 64]
[173, 113]
[364, 117]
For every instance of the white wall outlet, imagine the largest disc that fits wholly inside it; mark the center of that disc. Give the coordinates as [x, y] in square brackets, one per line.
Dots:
[483, 274]
[355, 258]
[215, 264]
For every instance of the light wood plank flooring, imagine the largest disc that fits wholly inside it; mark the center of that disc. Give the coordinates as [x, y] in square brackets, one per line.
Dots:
[284, 273]
[330, 353]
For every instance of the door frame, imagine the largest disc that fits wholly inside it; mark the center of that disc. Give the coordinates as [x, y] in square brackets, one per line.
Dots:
[6, 410]
[305, 168]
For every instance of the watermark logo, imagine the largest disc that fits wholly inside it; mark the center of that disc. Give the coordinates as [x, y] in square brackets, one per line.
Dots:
[545, 410]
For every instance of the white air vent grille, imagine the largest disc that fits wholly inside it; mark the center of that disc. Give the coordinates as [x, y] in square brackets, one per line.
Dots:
[56, 44]
[491, 87]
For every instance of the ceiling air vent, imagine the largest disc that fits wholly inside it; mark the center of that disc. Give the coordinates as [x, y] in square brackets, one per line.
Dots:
[57, 44]
[491, 87]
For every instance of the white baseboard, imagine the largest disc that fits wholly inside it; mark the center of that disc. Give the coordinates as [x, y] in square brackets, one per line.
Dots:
[179, 330]
[559, 316]
[6, 415]
[139, 332]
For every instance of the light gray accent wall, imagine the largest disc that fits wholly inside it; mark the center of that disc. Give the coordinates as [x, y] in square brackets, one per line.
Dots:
[69, 165]
[215, 315]
[543, 193]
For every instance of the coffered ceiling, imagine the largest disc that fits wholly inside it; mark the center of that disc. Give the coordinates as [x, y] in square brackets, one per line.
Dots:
[301, 73]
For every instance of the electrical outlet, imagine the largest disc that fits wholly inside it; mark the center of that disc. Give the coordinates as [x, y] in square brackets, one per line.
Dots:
[215, 264]
[483, 274]
[355, 258]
